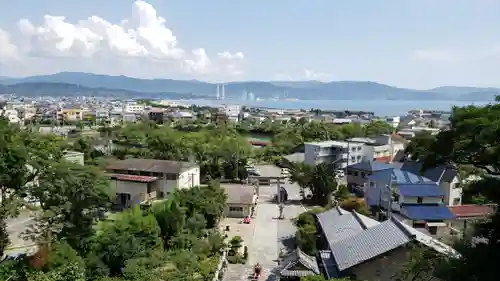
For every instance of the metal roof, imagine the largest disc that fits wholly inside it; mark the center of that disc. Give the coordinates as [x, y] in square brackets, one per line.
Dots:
[420, 190]
[369, 244]
[398, 176]
[151, 165]
[374, 239]
[370, 166]
[133, 178]
[435, 212]
[438, 174]
[468, 211]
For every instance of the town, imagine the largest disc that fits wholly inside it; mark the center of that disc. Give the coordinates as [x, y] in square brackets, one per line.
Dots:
[100, 189]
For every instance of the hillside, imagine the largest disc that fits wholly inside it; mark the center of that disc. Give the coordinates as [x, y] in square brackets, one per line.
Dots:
[305, 90]
[66, 89]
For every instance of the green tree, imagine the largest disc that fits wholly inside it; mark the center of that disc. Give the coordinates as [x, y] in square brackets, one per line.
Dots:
[72, 197]
[472, 140]
[132, 234]
[377, 128]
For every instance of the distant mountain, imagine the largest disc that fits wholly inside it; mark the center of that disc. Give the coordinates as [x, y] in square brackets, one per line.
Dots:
[306, 90]
[66, 89]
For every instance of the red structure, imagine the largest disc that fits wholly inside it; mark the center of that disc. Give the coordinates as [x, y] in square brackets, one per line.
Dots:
[259, 142]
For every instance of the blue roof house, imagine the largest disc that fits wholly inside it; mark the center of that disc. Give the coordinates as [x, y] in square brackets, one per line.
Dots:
[357, 174]
[416, 200]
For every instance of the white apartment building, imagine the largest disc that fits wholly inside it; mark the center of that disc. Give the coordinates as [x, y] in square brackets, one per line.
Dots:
[340, 153]
[393, 121]
[133, 107]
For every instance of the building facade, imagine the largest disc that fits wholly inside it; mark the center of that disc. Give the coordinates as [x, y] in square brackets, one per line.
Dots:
[339, 153]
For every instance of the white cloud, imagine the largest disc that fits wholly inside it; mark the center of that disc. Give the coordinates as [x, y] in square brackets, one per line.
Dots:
[317, 76]
[8, 51]
[435, 55]
[142, 41]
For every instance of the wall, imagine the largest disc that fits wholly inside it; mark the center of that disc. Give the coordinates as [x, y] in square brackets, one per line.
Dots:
[133, 188]
[425, 200]
[189, 178]
[355, 177]
[245, 212]
[384, 268]
[451, 192]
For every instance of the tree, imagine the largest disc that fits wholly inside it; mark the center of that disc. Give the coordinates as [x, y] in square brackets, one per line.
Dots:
[131, 235]
[354, 204]
[473, 139]
[419, 146]
[377, 128]
[323, 183]
[72, 197]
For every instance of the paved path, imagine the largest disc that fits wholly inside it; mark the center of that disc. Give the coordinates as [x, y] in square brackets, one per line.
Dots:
[270, 235]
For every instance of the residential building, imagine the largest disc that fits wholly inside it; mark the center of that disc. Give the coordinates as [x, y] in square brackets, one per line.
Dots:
[70, 114]
[339, 153]
[356, 246]
[467, 215]
[135, 180]
[357, 174]
[416, 200]
[12, 115]
[393, 121]
[156, 115]
[133, 107]
[74, 156]
[241, 200]
[445, 176]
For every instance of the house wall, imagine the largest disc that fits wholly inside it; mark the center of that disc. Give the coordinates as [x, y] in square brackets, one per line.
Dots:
[452, 191]
[237, 210]
[357, 177]
[135, 189]
[425, 200]
[189, 178]
[385, 267]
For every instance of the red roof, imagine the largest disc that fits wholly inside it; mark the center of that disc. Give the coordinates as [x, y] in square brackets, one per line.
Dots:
[384, 159]
[134, 178]
[467, 211]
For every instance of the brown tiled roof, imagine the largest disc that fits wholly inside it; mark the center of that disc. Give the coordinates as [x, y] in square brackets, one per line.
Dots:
[463, 211]
[151, 165]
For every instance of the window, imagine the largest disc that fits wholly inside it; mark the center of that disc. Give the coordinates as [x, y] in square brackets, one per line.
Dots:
[433, 230]
[235, 209]
[353, 159]
[359, 148]
[420, 200]
[355, 174]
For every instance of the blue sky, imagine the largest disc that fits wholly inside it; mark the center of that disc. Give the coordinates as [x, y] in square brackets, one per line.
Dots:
[418, 44]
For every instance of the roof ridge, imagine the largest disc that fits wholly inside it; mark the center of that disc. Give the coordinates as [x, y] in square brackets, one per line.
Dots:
[358, 218]
[403, 228]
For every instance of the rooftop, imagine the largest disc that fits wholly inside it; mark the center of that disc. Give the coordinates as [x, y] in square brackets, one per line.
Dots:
[354, 239]
[398, 176]
[426, 212]
[468, 211]
[132, 178]
[239, 193]
[151, 165]
[420, 190]
[332, 143]
[371, 166]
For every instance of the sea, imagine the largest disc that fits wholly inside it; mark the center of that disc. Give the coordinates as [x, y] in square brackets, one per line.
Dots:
[379, 107]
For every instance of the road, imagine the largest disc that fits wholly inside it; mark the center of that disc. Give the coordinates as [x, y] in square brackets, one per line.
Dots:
[16, 227]
[270, 234]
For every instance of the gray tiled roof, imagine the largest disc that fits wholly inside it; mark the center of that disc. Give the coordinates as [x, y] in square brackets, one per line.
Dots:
[354, 238]
[338, 224]
[286, 265]
[368, 244]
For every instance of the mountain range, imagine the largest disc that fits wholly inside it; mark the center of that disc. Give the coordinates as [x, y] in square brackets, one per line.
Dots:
[76, 83]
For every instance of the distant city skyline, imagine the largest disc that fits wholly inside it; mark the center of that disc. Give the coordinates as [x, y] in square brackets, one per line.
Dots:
[412, 44]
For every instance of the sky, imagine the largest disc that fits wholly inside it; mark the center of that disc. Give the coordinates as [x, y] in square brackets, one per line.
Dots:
[413, 44]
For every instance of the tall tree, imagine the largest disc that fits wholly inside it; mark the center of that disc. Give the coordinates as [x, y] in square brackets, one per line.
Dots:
[473, 139]
[73, 197]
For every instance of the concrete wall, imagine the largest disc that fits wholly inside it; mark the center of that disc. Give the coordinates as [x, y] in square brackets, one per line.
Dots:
[189, 178]
[228, 212]
[452, 192]
[425, 200]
